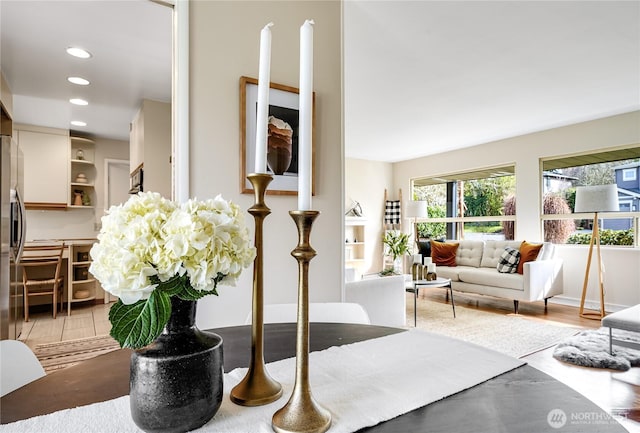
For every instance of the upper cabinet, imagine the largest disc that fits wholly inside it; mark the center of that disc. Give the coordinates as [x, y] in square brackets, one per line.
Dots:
[83, 173]
[150, 146]
[46, 166]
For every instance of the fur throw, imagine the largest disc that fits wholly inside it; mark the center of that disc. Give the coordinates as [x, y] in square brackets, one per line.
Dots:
[591, 349]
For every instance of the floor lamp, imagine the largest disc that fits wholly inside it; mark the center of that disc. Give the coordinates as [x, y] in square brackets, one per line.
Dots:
[416, 209]
[596, 198]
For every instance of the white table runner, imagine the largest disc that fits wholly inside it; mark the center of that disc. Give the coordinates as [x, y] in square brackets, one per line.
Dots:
[361, 384]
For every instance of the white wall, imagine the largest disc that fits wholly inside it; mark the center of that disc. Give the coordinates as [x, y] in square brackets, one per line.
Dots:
[621, 276]
[224, 45]
[156, 147]
[365, 182]
[622, 280]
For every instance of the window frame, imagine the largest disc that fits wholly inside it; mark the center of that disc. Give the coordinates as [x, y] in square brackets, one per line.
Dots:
[585, 159]
[455, 224]
[632, 171]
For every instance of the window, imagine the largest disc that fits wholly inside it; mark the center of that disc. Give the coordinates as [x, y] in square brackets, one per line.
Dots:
[561, 176]
[629, 174]
[470, 205]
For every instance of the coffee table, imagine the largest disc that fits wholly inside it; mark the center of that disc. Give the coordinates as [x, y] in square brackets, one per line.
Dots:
[438, 282]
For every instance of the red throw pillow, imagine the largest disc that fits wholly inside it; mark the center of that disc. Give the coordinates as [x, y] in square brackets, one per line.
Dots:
[444, 254]
[528, 253]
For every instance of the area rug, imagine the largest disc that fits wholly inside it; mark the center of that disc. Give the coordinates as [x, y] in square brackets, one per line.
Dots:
[63, 354]
[514, 335]
[591, 349]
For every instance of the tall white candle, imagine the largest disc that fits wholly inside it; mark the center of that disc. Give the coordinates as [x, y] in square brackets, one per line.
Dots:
[263, 99]
[306, 116]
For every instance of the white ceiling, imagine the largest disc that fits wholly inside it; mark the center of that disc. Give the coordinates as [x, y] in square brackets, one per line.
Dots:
[421, 77]
[131, 46]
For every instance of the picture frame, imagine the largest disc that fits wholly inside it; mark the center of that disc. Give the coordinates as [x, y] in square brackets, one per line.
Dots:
[283, 104]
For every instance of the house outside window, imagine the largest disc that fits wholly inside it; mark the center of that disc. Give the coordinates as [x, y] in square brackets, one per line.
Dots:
[615, 166]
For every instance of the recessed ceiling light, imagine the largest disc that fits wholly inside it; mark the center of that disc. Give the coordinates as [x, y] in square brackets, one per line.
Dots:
[78, 123]
[78, 101]
[78, 52]
[78, 80]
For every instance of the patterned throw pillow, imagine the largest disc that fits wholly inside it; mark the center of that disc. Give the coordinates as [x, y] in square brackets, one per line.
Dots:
[509, 259]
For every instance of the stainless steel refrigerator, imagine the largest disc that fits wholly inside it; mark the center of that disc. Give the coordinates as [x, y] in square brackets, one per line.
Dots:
[12, 233]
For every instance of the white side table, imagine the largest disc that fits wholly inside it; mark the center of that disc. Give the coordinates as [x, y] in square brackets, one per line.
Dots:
[414, 286]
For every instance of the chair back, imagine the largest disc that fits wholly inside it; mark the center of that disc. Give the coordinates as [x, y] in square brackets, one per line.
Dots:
[327, 312]
[18, 366]
[37, 258]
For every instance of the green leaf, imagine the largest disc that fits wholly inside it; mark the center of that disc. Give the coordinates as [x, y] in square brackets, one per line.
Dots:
[191, 294]
[173, 285]
[137, 325]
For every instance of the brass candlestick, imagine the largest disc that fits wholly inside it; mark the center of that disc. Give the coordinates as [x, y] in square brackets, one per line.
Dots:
[257, 387]
[302, 413]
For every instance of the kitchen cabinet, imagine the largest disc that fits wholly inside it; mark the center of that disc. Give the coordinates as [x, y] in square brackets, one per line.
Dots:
[83, 173]
[46, 172]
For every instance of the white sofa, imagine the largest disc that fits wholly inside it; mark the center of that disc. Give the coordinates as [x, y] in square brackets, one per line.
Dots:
[382, 297]
[475, 272]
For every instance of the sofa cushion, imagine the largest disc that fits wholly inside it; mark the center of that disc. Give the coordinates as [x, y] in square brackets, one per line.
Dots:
[443, 253]
[449, 272]
[528, 253]
[493, 250]
[469, 253]
[509, 259]
[490, 277]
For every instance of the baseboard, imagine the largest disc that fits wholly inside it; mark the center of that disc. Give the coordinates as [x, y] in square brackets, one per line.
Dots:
[589, 305]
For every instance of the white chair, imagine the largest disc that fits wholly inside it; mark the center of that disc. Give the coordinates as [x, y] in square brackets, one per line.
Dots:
[18, 366]
[383, 298]
[327, 312]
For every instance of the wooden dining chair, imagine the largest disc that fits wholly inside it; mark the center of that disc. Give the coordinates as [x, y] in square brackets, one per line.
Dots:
[42, 274]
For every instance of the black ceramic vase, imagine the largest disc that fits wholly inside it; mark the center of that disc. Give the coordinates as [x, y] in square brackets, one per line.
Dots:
[176, 381]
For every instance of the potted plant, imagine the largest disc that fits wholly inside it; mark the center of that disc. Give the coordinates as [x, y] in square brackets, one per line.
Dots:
[396, 245]
[159, 258]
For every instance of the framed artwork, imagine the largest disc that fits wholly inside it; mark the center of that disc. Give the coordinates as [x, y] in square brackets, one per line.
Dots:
[282, 140]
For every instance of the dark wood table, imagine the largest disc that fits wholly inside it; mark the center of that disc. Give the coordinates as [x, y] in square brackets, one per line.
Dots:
[517, 401]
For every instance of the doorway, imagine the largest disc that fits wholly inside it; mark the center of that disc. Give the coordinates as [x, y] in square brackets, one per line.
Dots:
[116, 191]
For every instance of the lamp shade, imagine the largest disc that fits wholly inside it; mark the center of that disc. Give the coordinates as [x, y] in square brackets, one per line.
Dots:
[416, 209]
[597, 198]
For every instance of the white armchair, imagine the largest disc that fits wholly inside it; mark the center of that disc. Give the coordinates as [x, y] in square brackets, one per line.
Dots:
[384, 298]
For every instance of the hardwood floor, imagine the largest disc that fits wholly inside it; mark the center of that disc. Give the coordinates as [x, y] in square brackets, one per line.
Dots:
[617, 393]
[85, 321]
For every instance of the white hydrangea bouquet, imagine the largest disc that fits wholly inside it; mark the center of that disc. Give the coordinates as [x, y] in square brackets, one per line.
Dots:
[151, 249]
